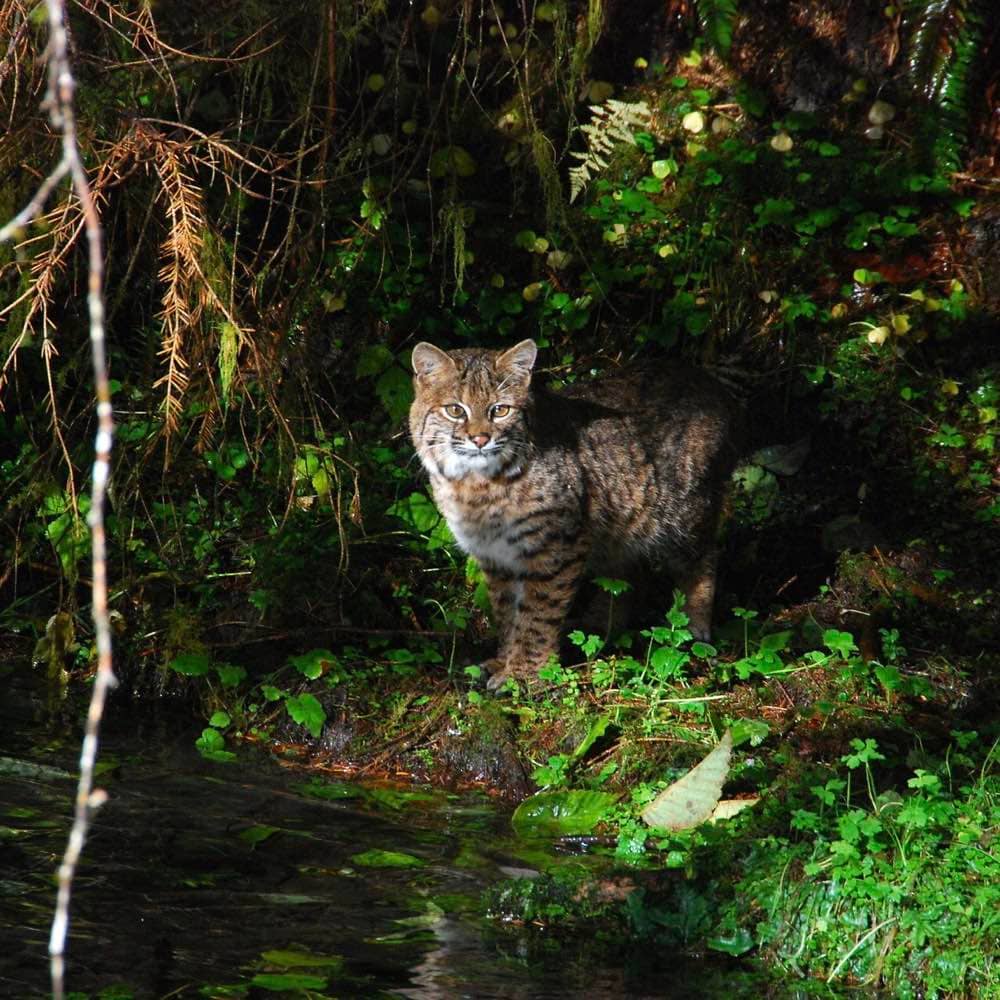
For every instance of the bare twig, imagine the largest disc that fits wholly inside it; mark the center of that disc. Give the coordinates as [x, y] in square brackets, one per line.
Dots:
[59, 101]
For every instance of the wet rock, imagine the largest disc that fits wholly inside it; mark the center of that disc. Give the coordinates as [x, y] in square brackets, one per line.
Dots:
[487, 754]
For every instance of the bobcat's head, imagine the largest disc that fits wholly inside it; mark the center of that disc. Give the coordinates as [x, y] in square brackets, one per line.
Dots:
[470, 410]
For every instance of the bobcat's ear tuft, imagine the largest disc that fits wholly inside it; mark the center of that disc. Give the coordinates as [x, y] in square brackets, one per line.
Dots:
[429, 361]
[519, 360]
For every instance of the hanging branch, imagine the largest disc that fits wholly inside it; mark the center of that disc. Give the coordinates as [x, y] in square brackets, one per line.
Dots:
[59, 102]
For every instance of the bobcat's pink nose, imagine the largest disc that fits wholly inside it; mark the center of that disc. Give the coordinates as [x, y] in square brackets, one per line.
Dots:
[480, 440]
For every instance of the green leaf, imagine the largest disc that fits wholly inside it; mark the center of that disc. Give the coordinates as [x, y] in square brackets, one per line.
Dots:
[597, 729]
[331, 791]
[737, 943]
[451, 160]
[210, 739]
[230, 675]
[667, 661]
[191, 664]
[312, 664]
[211, 746]
[306, 710]
[752, 731]
[220, 719]
[394, 388]
[417, 511]
[839, 642]
[259, 833]
[561, 814]
[662, 169]
[374, 360]
[375, 858]
[775, 642]
[290, 959]
[717, 19]
[283, 982]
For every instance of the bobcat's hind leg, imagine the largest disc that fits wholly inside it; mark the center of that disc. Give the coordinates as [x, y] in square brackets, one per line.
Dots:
[696, 580]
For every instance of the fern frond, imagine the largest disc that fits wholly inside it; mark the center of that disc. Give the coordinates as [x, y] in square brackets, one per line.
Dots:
[945, 39]
[716, 19]
[612, 124]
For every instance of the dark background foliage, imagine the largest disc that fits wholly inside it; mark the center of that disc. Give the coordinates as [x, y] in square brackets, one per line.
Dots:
[295, 193]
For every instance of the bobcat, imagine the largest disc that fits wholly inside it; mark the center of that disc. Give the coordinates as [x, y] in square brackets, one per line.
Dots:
[543, 487]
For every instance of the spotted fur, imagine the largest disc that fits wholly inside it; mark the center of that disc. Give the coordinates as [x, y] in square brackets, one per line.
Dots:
[544, 488]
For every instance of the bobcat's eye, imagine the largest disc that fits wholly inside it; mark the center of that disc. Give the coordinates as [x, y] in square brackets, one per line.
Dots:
[499, 411]
[454, 411]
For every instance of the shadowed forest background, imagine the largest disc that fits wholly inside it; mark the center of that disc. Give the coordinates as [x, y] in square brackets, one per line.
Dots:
[803, 197]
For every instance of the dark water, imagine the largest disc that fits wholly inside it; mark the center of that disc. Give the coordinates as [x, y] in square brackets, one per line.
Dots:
[184, 889]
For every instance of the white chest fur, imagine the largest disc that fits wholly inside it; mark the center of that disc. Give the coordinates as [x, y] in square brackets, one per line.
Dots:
[482, 533]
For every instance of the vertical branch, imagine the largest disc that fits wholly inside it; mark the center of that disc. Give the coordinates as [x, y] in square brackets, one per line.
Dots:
[60, 96]
[59, 101]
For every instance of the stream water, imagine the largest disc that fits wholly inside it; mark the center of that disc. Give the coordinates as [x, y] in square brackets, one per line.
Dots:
[251, 879]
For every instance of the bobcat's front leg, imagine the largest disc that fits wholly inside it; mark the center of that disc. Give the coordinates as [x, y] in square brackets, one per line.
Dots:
[503, 606]
[544, 594]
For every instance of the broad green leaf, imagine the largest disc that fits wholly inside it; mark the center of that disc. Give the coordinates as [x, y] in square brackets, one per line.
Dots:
[662, 169]
[284, 982]
[332, 791]
[612, 586]
[737, 943]
[313, 663]
[191, 664]
[752, 731]
[561, 814]
[394, 388]
[775, 642]
[210, 739]
[451, 160]
[220, 719]
[417, 511]
[290, 959]
[386, 859]
[691, 798]
[230, 674]
[258, 834]
[306, 710]
[839, 642]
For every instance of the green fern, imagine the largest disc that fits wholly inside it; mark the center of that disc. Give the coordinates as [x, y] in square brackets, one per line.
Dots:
[945, 44]
[611, 123]
[716, 19]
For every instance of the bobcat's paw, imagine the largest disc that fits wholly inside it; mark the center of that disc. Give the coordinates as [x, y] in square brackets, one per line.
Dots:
[499, 678]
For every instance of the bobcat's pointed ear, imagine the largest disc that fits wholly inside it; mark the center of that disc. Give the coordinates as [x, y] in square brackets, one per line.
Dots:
[429, 361]
[519, 360]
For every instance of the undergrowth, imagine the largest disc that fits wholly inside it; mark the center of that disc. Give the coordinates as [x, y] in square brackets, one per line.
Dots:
[279, 239]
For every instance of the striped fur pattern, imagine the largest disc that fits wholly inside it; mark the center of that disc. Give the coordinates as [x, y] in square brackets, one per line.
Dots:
[547, 488]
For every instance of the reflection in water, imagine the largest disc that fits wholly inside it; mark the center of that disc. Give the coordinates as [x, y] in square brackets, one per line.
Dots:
[201, 874]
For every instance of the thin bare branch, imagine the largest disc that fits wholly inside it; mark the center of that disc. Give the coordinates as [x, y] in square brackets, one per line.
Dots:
[37, 203]
[59, 101]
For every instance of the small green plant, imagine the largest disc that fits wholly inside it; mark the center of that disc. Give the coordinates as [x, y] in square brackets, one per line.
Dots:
[897, 889]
